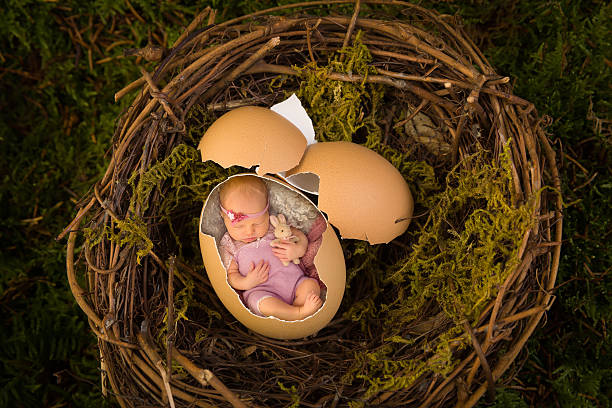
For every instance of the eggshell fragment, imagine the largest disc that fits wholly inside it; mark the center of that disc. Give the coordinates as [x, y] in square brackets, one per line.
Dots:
[364, 196]
[329, 262]
[252, 135]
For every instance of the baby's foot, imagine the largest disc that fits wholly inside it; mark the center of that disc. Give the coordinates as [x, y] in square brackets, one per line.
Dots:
[312, 304]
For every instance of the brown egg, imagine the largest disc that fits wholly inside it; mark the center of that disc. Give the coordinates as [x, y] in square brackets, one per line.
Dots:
[250, 136]
[364, 196]
[329, 262]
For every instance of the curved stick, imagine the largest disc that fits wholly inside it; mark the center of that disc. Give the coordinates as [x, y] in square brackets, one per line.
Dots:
[77, 291]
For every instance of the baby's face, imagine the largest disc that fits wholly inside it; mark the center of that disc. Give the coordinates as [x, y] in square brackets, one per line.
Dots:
[249, 229]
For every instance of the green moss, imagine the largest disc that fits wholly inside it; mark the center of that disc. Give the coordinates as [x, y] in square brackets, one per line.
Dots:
[350, 111]
[460, 253]
[131, 231]
[184, 301]
[340, 109]
[382, 371]
[184, 174]
[186, 180]
[292, 391]
[181, 178]
[468, 246]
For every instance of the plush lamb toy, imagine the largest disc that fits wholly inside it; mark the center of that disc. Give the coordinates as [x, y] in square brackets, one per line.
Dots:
[282, 231]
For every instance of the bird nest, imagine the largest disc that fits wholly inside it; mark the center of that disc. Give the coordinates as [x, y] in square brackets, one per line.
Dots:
[433, 318]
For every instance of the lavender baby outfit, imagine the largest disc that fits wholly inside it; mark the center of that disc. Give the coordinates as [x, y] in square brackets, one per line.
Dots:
[282, 280]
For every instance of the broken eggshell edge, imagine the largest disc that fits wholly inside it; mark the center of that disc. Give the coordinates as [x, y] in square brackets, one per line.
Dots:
[330, 265]
[253, 135]
[362, 193]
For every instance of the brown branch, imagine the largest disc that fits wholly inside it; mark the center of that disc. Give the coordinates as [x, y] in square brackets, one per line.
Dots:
[156, 378]
[379, 79]
[163, 100]
[308, 41]
[259, 54]
[399, 56]
[206, 377]
[127, 89]
[77, 291]
[193, 25]
[212, 17]
[483, 362]
[170, 318]
[424, 78]
[101, 271]
[351, 27]
[77, 220]
[158, 363]
[107, 338]
[448, 379]
[413, 113]
[210, 74]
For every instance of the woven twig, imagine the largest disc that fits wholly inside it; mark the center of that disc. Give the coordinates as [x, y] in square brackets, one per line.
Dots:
[432, 66]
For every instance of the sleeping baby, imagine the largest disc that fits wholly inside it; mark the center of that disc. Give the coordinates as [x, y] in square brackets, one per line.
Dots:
[254, 263]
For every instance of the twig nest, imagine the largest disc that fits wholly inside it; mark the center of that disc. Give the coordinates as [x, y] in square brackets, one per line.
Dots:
[432, 318]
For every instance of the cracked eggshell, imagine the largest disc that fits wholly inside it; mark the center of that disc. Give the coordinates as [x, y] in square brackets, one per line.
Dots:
[253, 135]
[363, 195]
[330, 266]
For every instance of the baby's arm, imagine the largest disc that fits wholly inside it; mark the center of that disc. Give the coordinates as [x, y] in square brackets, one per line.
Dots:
[287, 251]
[257, 275]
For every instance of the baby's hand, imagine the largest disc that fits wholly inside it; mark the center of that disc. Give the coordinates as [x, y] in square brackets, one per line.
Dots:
[287, 251]
[258, 274]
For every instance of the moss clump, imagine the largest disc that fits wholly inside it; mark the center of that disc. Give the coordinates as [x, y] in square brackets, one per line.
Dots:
[180, 178]
[381, 371]
[468, 246]
[185, 176]
[350, 111]
[339, 110]
[131, 231]
[293, 394]
[460, 253]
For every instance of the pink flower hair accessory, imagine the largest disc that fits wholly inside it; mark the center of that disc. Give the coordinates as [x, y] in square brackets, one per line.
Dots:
[238, 216]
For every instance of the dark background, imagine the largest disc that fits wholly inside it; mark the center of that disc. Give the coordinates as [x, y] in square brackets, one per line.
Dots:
[62, 62]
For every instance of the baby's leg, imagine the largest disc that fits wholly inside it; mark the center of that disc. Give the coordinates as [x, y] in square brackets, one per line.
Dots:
[305, 287]
[307, 296]
[271, 306]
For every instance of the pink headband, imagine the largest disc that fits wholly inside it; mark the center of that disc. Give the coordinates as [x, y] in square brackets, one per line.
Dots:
[237, 217]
